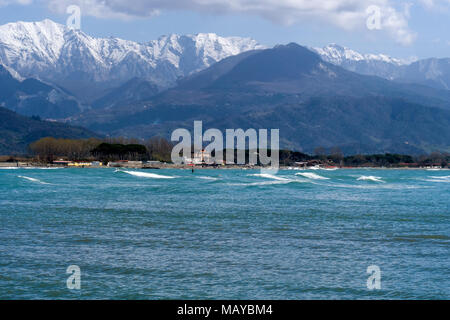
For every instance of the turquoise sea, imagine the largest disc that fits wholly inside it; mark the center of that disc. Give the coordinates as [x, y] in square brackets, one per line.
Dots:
[224, 234]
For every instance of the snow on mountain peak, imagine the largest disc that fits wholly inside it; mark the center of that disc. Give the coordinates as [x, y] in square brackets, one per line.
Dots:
[339, 55]
[52, 51]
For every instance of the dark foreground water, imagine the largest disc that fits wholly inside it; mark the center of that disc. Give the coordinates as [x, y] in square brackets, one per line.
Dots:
[224, 234]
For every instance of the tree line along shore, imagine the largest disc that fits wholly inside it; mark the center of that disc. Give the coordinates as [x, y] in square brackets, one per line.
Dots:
[156, 153]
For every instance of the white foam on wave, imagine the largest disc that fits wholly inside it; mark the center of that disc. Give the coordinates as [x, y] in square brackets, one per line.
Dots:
[33, 180]
[268, 183]
[370, 178]
[208, 178]
[146, 174]
[438, 179]
[276, 180]
[313, 176]
[9, 168]
[269, 176]
[376, 186]
[265, 183]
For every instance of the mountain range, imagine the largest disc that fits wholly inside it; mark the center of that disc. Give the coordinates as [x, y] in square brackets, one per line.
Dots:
[313, 102]
[433, 72]
[92, 68]
[87, 66]
[328, 97]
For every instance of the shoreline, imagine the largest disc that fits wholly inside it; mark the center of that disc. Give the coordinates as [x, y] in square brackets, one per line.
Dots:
[229, 167]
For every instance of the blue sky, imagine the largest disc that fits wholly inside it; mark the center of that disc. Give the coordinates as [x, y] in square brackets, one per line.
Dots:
[417, 28]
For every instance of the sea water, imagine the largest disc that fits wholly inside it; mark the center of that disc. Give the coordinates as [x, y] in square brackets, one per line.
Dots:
[224, 234]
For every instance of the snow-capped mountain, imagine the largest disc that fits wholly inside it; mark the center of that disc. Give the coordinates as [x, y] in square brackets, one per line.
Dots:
[337, 54]
[90, 67]
[77, 61]
[432, 72]
[369, 64]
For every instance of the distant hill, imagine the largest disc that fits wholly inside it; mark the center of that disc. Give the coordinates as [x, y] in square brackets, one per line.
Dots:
[132, 91]
[17, 132]
[432, 72]
[33, 97]
[314, 103]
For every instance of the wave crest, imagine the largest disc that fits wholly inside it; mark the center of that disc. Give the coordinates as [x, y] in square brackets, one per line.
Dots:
[269, 176]
[370, 178]
[33, 180]
[313, 176]
[146, 175]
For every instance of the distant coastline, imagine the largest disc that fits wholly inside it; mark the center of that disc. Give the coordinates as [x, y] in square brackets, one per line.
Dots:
[31, 165]
[156, 154]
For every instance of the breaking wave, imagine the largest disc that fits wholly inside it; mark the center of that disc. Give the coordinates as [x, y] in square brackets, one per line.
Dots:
[438, 179]
[33, 180]
[208, 178]
[370, 178]
[268, 183]
[145, 174]
[269, 176]
[312, 176]
[275, 180]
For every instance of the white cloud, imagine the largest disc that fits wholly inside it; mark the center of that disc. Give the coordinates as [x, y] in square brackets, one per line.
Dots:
[396, 23]
[437, 6]
[435, 3]
[346, 14]
[115, 9]
[8, 2]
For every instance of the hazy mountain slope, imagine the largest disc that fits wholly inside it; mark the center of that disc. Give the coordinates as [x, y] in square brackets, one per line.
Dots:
[33, 97]
[312, 102]
[132, 91]
[17, 132]
[432, 72]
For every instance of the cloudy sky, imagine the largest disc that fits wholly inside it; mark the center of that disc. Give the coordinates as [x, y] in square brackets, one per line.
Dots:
[402, 28]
